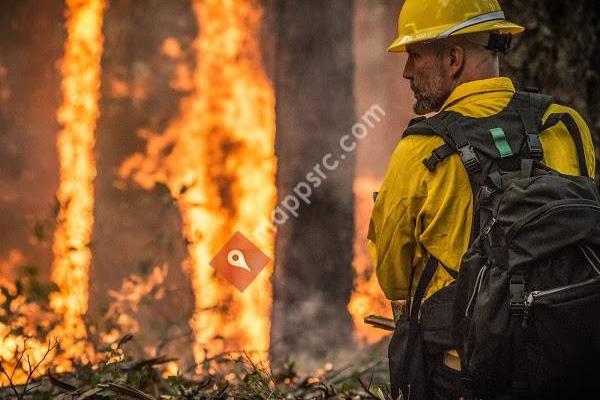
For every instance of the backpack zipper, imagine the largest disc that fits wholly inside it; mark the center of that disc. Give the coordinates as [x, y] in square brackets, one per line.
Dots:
[476, 288]
[536, 294]
[488, 228]
[513, 230]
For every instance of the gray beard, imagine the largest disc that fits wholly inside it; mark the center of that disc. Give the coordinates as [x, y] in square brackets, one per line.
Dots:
[426, 106]
[433, 99]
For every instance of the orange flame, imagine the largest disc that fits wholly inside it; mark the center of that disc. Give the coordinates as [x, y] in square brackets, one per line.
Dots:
[126, 301]
[20, 320]
[77, 115]
[367, 297]
[217, 158]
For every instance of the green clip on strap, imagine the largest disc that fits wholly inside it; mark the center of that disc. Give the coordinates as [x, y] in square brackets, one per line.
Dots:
[500, 141]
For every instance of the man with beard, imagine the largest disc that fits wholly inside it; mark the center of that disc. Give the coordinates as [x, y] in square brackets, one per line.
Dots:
[421, 212]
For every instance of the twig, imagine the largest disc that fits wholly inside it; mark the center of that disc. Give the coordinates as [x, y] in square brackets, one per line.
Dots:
[19, 360]
[34, 368]
[340, 378]
[127, 390]
[148, 362]
[367, 388]
[10, 381]
[60, 384]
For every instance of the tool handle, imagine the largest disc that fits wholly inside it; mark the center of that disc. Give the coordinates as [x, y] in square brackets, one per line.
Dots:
[380, 322]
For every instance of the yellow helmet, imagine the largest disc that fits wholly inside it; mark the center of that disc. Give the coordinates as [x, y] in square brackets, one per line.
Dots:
[422, 20]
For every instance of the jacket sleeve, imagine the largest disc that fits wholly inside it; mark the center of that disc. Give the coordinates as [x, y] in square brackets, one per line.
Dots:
[417, 213]
[563, 154]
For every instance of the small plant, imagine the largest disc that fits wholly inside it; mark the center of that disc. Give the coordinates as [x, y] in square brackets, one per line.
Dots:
[24, 362]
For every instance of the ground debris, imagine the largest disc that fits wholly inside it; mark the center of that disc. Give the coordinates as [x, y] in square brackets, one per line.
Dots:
[224, 377]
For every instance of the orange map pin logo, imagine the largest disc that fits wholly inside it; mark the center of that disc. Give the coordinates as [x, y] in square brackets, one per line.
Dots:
[239, 261]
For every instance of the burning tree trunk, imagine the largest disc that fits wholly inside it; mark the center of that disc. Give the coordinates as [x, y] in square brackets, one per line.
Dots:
[315, 107]
[215, 156]
[147, 47]
[560, 52]
[78, 116]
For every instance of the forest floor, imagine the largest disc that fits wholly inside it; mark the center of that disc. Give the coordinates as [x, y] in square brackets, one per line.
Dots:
[224, 377]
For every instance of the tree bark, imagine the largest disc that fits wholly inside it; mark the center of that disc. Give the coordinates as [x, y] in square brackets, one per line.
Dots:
[315, 107]
[31, 42]
[136, 229]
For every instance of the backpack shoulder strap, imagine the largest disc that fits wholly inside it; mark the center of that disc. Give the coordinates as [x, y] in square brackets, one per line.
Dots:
[422, 126]
[568, 120]
[436, 126]
[531, 107]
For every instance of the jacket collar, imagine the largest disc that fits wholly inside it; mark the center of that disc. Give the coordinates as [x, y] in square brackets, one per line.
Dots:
[474, 88]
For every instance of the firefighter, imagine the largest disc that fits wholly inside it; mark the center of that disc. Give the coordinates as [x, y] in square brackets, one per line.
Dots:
[453, 50]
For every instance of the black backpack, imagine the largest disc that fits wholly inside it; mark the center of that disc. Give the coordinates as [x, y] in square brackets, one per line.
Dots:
[526, 309]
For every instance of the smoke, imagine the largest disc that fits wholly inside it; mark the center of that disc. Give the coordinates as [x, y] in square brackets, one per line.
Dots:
[147, 67]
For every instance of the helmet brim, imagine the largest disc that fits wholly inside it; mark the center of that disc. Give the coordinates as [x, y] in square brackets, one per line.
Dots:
[500, 26]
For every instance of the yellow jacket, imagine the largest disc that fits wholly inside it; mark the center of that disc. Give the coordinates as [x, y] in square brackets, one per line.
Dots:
[419, 212]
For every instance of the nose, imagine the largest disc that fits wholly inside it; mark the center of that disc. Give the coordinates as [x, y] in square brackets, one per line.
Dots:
[408, 69]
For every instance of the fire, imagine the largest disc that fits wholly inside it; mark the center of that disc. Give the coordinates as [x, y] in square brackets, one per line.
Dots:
[77, 115]
[217, 158]
[20, 321]
[367, 297]
[126, 301]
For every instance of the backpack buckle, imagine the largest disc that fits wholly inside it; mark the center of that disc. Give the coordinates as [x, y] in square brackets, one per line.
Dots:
[469, 159]
[516, 289]
[534, 146]
[432, 162]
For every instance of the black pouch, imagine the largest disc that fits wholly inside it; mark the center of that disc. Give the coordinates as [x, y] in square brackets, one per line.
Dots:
[422, 334]
[436, 321]
[407, 361]
[563, 339]
[548, 347]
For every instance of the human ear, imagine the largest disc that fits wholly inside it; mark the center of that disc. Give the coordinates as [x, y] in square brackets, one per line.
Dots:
[456, 60]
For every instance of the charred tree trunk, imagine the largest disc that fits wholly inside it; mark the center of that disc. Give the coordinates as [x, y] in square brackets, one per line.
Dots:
[31, 42]
[135, 229]
[560, 52]
[315, 107]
